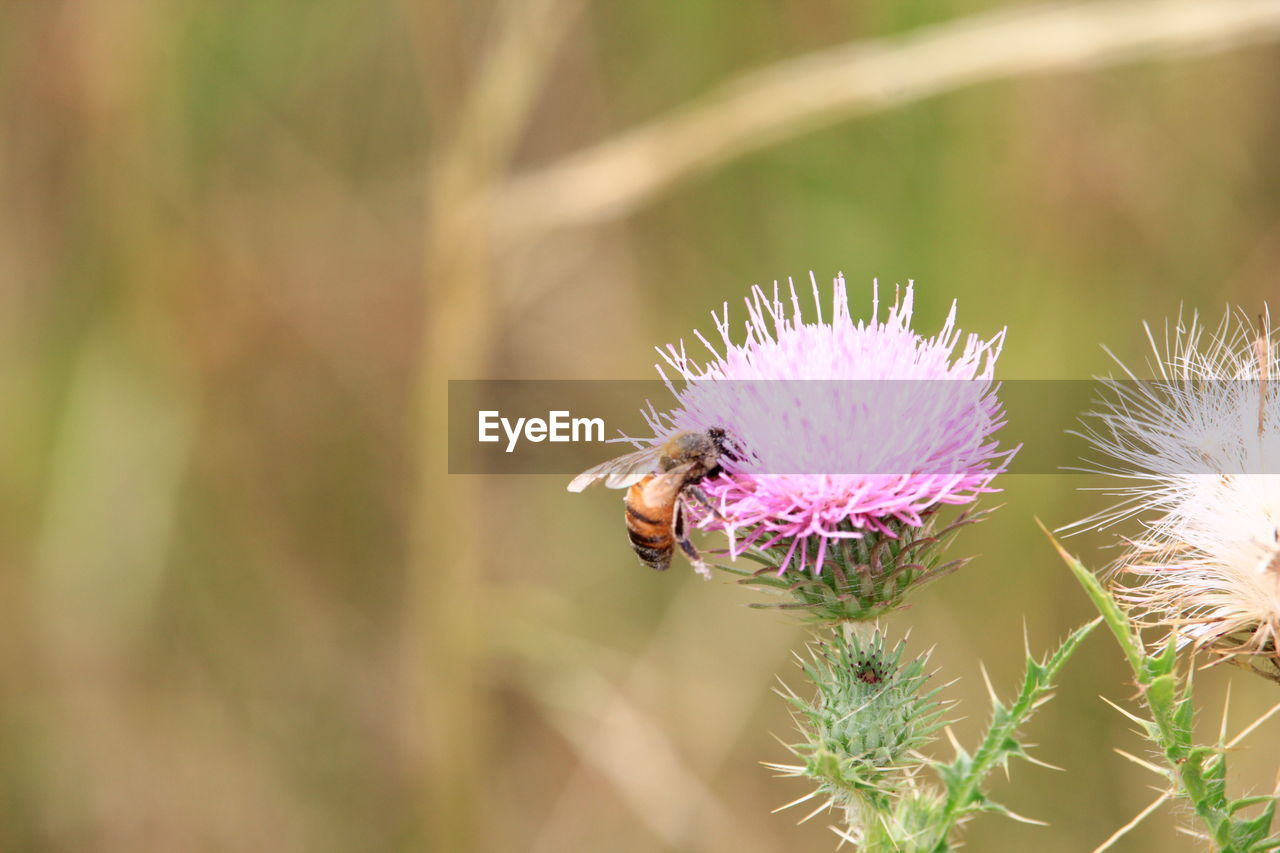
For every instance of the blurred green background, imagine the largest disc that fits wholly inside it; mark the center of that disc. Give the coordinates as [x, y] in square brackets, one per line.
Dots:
[244, 607]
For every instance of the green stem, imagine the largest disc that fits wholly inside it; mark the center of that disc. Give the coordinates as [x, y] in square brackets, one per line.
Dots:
[1197, 772]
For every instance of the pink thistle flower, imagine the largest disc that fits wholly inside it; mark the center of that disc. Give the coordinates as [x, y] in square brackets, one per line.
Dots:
[836, 460]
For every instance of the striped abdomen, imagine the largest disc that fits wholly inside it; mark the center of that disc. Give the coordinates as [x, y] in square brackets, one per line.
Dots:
[651, 508]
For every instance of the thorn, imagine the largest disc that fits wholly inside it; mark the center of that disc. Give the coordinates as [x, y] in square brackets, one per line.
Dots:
[995, 700]
[1142, 815]
[819, 810]
[1020, 819]
[1142, 762]
[844, 835]
[1133, 717]
[1056, 544]
[784, 770]
[805, 798]
[1235, 740]
[1044, 764]
[1226, 706]
[951, 736]
[788, 747]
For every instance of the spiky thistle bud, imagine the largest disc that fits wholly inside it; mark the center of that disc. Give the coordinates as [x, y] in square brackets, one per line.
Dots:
[870, 714]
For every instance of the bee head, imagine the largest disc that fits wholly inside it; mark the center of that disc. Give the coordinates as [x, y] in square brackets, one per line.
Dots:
[721, 441]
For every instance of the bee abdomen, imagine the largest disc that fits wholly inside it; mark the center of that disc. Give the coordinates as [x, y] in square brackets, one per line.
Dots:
[653, 544]
[654, 558]
[634, 515]
[649, 529]
[638, 538]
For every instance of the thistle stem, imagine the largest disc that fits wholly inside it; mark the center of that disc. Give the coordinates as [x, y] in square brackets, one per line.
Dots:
[1197, 773]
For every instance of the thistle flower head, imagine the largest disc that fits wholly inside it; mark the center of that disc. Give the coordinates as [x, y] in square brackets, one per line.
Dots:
[827, 449]
[1195, 446]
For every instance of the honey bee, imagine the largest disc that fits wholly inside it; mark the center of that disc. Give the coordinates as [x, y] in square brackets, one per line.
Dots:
[658, 480]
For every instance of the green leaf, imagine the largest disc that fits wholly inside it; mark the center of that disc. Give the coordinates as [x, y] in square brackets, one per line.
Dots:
[1253, 833]
[1106, 604]
[1165, 662]
[1161, 695]
[964, 776]
[1246, 802]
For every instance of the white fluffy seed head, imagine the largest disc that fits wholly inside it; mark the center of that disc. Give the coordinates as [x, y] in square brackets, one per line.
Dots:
[1197, 448]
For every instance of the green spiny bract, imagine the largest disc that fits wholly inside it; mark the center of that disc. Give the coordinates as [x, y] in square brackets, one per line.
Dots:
[870, 713]
[863, 578]
[913, 822]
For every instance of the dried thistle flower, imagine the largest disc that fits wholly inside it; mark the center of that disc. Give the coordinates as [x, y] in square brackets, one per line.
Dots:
[1196, 446]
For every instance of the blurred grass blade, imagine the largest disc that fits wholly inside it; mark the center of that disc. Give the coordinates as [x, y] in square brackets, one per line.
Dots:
[763, 108]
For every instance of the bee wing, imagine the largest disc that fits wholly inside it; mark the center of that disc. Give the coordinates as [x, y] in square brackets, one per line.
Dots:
[665, 487]
[621, 472]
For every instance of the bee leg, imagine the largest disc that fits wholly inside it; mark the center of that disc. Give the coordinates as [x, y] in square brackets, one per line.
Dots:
[700, 497]
[694, 557]
[681, 533]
